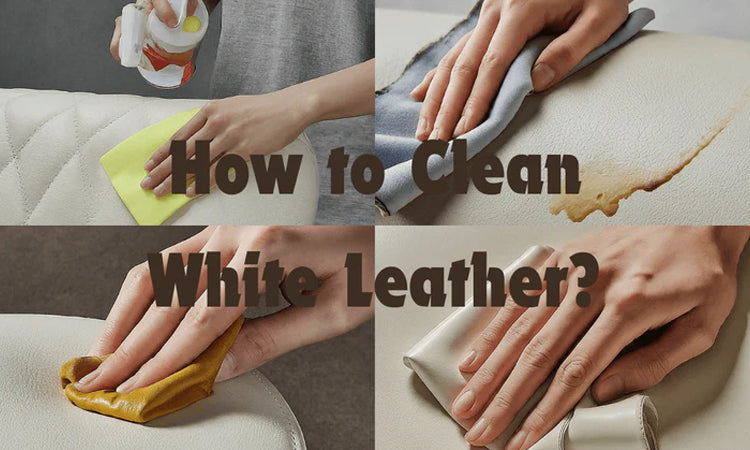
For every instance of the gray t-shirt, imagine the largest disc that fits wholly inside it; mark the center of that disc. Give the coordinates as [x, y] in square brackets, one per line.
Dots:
[267, 45]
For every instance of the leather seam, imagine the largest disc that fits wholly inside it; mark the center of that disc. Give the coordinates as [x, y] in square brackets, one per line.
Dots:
[285, 411]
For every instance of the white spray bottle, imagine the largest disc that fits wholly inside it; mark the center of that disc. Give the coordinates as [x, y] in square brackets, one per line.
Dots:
[164, 56]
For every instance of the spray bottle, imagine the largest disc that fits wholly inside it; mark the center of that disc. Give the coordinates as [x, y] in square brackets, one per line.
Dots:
[164, 56]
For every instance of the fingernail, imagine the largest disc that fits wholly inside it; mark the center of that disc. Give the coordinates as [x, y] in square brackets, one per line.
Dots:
[434, 135]
[517, 441]
[468, 359]
[149, 165]
[87, 380]
[411, 94]
[460, 127]
[146, 182]
[190, 192]
[541, 76]
[125, 387]
[160, 190]
[476, 431]
[421, 127]
[610, 388]
[464, 402]
[172, 22]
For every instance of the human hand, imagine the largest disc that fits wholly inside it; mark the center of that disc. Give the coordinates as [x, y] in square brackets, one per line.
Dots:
[148, 342]
[458, 93]
[681, 280]
[245, 125]
[164, 12]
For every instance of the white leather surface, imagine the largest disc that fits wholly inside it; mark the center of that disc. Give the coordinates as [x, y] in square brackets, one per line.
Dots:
[627, 424]
[51, 142]
[701, 404]
[639, 108]
[245, 412]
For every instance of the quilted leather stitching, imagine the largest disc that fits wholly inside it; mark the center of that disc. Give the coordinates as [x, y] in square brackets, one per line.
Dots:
[80, 146]
[46, 130]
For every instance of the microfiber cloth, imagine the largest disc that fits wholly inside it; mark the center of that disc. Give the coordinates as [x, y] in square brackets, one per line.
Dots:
[124, 166]
[398, 114]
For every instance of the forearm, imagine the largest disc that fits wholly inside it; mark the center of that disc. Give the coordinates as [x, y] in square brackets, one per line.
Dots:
[346, 93]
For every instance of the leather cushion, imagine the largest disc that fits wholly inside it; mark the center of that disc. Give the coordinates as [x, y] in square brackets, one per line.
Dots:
[245, 412]
[51, 142]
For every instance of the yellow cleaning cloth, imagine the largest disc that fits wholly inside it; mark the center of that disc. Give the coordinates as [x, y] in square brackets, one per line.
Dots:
[124, 166]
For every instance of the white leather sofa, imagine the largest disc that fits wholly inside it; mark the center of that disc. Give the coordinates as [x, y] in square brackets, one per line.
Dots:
[700, 405]
[244, 412]
[51, 142]
[642, 108]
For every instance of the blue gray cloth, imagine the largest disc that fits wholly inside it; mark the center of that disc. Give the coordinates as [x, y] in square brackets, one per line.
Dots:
[397, 114]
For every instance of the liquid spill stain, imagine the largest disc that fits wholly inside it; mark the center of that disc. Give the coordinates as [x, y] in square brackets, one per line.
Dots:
[605, 183]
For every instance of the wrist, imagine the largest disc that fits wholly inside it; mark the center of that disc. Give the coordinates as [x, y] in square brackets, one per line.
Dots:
[731, 241]
[306, 103]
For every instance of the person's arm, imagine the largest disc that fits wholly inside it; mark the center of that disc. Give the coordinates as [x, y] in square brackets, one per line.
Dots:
[458, 93]
[263, 124]
[682, 280]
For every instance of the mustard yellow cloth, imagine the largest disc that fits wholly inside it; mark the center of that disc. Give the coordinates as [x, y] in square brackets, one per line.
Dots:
[175, 392]
[124, 166]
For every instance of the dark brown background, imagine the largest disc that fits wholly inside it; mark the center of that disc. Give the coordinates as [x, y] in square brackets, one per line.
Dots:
[77, 271]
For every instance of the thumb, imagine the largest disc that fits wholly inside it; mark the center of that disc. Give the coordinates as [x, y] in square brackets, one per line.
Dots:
[261, 340]
[590, 30]
[648, 365]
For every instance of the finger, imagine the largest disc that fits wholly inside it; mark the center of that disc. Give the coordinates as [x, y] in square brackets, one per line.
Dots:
[643, 368]
[537, 360]
[114, 44]
[420, 91]
[490, 337]
[201, 325]
[218, 148]
[264, 339]
[591, 29]
[162, 174]
[135, 295]
[165, 13]
[197, 122]
[462, 78]
[596, 350]
[509, 38]
[492, 373]
[485, 344]
[145, 340]
[434, 96]
[192, 6]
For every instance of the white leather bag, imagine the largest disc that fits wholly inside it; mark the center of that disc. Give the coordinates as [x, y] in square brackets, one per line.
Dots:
[627, 424]
[51, 142]
[244, 412]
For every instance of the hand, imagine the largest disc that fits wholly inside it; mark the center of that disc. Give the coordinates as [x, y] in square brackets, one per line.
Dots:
[164, 12]
[681, 280]
[245, 125]
[458, 93]
[149, 342]
[263, 124]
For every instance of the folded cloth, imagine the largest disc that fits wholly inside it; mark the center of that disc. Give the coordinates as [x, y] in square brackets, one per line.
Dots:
[193, 383]
[124, 166]
[397, 114]
[626, 424]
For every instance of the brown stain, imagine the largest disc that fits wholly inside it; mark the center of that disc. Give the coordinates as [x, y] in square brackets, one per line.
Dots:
[605, 183]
